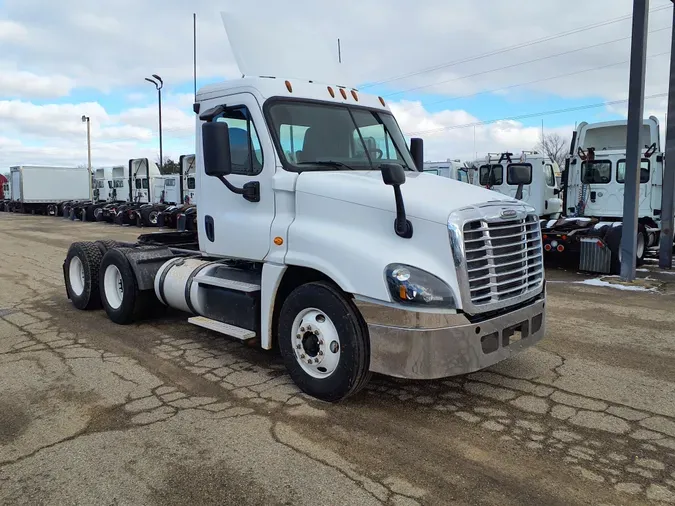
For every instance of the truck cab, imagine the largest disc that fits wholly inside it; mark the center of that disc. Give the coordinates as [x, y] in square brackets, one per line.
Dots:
[101, 184]
[166, 189]
[141, 174]
[531, 178]
[318, 232]
[118, 185]
[453, 169]
[595, 180]
[189, 171]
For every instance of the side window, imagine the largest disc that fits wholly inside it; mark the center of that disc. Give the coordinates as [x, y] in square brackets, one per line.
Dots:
[245, 148]
[170, 183]
[621, 171]
[146, 183]
[138, 184]
[431, 171]
[463, 176]
[376, 138]
[118, 183]
[596, 172]
[191, 183]
[491, 175]
[549, 174]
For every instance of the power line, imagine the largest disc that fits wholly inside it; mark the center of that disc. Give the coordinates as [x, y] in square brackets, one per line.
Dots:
[483, 72]
[508, 49]
[532, 115]
[536, 81]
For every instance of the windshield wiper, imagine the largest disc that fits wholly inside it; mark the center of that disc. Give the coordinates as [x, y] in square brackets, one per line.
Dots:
[328, 163]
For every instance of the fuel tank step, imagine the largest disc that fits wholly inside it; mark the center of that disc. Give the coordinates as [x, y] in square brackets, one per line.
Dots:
[222, 328]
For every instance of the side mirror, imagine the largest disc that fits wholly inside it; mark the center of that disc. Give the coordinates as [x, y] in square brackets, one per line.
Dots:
[417, 152]
[216, 149]
[392, 174]
[520, 174]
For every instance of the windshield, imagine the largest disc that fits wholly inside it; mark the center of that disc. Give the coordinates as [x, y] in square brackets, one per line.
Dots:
[312, 136]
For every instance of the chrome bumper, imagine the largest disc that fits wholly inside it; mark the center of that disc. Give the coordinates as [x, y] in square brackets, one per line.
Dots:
[409, 344]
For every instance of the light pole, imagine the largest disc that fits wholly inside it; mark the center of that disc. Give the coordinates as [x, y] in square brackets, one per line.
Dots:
[86, 119]
[159, 84]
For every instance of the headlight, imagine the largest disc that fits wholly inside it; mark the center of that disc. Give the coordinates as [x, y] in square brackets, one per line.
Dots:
[414, 287]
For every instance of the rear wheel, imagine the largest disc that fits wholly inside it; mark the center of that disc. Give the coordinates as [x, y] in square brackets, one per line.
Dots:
[613, 240]
[324, 342]
[81, 273]
[122, 300]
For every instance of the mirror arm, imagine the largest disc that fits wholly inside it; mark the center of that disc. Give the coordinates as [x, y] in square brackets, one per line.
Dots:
[250, 191]
[519, 192]
[402, 226]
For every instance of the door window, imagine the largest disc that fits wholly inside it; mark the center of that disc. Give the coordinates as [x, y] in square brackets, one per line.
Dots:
[245, 148]
[191, 183]
[549, 174]
[621, 171]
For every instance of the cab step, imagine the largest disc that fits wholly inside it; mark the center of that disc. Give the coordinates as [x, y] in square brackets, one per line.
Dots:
[222, 328]
[230, 284]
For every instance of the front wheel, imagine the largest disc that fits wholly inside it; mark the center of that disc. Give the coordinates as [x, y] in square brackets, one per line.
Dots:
[324, 342]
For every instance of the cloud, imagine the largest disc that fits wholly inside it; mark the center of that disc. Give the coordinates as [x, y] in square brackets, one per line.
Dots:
[443, 140]
[22, 84]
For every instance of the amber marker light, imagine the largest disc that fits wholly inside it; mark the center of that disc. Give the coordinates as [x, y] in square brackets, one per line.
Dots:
[289, 87]
[278, 241]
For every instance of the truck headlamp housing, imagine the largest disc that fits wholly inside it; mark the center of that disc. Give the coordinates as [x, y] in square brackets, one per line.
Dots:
[411, 286]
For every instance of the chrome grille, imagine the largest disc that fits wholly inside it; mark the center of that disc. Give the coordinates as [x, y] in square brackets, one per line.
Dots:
[504, 259]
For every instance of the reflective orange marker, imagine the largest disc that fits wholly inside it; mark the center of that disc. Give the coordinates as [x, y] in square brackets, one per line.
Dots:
[278, 241]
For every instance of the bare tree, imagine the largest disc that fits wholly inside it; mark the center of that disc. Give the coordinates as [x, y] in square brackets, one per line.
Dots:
[555, 147]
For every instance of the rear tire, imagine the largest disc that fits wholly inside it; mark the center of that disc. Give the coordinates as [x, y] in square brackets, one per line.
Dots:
[613, 239]
[123, 302]
[326, 325]
[81, 274]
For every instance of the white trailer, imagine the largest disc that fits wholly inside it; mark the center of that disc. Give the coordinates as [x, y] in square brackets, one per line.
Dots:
[594, 191]
[530, 178]
[337, 249]
[166, 189]
[39, 189]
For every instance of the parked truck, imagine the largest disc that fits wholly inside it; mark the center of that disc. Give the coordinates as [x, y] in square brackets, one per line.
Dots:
[183, 214]
[593, 196]
[349, 258]
[530, 178]
[40, 190]
[454, 169]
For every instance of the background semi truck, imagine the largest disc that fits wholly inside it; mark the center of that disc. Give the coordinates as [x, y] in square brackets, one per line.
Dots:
[37, 189]
[593, 196]
[340, 251]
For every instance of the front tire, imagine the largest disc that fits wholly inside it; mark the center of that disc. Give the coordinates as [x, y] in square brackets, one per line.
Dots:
[81, 273]
[324, 342]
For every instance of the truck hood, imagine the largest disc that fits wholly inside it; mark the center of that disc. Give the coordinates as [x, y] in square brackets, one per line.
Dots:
[426, 196]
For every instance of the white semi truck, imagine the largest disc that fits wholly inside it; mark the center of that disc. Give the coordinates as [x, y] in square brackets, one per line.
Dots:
[454, 169]
[344, 254]
[530, 178]
[593, 196]
[40, 189]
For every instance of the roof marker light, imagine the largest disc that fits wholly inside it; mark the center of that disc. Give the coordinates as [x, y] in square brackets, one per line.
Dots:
[289, 87]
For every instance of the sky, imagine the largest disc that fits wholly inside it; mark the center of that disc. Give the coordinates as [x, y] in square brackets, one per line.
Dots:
[468, 76]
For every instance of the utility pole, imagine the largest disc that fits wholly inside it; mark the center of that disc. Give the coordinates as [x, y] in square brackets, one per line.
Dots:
[159, 84]
[636, 95]
[667, 210]
[87, 120]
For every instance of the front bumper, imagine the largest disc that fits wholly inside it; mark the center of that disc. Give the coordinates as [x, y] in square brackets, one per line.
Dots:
[416, 345]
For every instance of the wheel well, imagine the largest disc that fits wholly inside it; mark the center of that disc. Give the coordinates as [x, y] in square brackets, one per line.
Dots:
[293, 278]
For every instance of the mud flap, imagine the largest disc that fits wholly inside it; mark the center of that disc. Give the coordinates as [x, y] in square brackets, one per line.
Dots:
[595, 256]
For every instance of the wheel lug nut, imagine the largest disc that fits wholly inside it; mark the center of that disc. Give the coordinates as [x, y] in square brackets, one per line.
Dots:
[299, 336]
[316, 332]
[320, 353]
[299, 346]
[309, 328]
[321, 342]
[302, 356]
[302, 329]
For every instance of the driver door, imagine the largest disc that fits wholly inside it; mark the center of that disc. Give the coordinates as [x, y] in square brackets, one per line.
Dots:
[230, 225]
